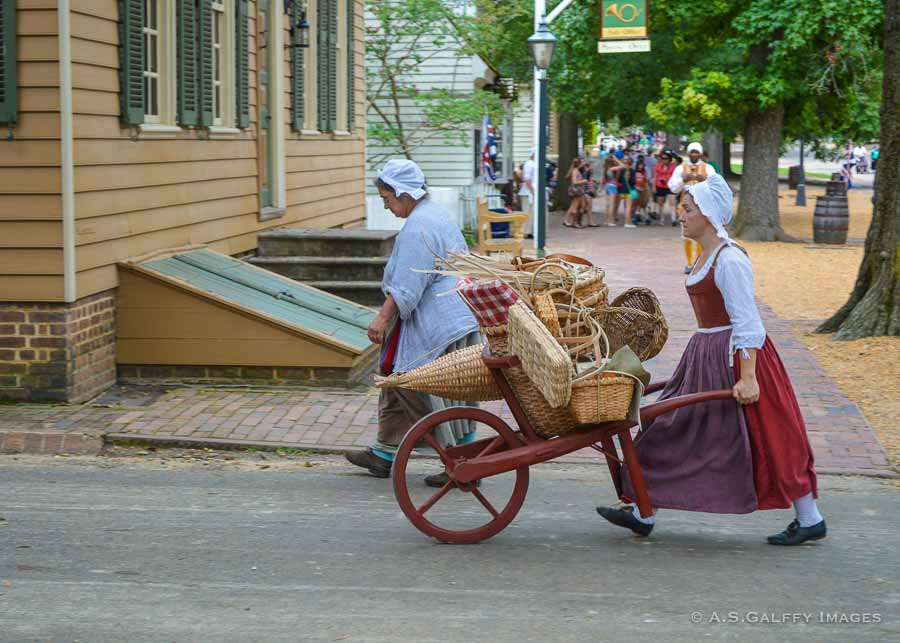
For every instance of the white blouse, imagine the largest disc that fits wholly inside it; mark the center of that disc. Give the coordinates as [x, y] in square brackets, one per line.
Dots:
[734, 279]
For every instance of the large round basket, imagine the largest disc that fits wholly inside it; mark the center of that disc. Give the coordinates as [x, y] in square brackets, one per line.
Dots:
[635, 319]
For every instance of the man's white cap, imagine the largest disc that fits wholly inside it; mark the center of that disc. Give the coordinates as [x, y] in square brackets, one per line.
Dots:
[405, 177]
[695, 147]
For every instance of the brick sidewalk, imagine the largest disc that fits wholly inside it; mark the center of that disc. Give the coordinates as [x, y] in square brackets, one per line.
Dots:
[337, 420]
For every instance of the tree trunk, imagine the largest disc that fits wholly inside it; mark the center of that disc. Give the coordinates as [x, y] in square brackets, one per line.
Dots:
[568, 150]
[713, 145]
[673, 142]
[874, 305]
[757, 215]
[726, 161]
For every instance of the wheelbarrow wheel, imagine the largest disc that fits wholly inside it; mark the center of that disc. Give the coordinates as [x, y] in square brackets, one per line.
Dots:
[461, 513]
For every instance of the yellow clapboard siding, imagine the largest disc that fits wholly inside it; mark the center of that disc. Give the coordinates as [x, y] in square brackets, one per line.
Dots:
[323, 147]
[107, 202]
[95, 53]
[38, 74]
[89, 101]
[334, 219]
[97, 78]
[28, 180]
[37, 125]
[88, 282]
[115, 226]
[101, 126]
[31, 288]
[344, 176]
[108, 252]
[38, 48]
[30, 261]
[110, 177]
[30, 234]
[90, 152]
[38, 99]
[29, 153]
[35, 207]
[36, 22]
[325, 162]
[87, 27]
[313, 209]
[320, 192]
[101, 8]
[23, 5]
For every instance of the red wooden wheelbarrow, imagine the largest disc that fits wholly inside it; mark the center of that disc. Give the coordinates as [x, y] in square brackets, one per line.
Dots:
[512, 452]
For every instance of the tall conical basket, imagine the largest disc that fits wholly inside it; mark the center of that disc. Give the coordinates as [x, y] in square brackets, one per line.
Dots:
[460, 375]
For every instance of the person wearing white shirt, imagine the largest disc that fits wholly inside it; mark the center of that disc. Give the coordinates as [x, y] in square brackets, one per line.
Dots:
[526, 193]
[737, 456]
[693, 170]
[859, 154]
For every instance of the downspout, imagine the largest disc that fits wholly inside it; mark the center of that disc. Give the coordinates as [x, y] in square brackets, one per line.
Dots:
[66, 150]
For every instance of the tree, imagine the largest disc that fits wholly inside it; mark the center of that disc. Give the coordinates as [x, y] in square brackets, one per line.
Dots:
[874, 304]
[760, 67]
[404, 114]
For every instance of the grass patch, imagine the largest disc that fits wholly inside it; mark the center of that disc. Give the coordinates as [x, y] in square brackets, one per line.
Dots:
[782, 171]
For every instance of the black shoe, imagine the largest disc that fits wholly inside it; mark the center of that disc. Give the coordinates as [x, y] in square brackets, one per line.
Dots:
[625, 518]
[378, 467]
[797, 535]
[438, 480]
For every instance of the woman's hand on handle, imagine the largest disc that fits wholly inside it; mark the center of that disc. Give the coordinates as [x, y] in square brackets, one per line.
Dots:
[379, 327]
[746, 391]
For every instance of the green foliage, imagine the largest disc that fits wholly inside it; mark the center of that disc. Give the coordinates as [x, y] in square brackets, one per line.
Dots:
[412, 32]
[498, 33]
[819, 58]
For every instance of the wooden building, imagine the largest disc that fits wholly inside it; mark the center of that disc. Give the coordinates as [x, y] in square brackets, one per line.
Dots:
[132, 126]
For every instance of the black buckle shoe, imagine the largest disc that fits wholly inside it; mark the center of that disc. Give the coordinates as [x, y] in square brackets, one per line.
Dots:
[624, 517]
[794, 534]
[378, 467]
[438, 480]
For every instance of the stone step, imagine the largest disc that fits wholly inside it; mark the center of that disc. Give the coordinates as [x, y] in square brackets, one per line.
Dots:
[325, 268]
[366, 293]
[318, 242]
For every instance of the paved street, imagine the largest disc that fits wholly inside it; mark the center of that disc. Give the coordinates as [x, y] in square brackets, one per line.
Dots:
[346, 419]
[157, 548]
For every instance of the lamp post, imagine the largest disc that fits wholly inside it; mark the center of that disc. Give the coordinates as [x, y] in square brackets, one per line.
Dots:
[541, 45]
[801, 186]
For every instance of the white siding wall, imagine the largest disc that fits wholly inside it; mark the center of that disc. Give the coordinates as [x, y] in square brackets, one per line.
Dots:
[523, 126]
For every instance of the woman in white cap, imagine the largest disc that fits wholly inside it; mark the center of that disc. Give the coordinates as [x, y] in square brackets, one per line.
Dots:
[415, 325]
[692, 171]
[727, 456]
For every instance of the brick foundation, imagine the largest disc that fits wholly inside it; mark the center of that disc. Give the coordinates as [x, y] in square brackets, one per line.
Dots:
[56, 351]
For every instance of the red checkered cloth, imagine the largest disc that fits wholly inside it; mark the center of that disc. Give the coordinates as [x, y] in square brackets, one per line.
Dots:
[488, 301]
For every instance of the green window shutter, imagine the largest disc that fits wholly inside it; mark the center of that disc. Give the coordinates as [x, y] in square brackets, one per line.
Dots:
[187, 62]
[131, 60]
[205, 61]
[8, 100]
[322, 49]
[242, 65]
[298, 68]
[332, 64]
[351, 65]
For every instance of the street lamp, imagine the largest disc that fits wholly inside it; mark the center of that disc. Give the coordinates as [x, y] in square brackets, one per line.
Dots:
[541, 45]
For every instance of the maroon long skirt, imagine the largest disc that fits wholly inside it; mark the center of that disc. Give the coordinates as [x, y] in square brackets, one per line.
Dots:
[715, 457]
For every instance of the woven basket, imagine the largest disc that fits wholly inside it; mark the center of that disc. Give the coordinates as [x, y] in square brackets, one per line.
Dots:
[546, 421]
[635, 319]
[460, 375]
[603, 397]
[545, 309]
[545, 362]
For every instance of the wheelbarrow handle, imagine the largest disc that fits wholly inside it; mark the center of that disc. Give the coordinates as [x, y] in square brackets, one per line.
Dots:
[652, 411]
[655, 387]
[510, 361]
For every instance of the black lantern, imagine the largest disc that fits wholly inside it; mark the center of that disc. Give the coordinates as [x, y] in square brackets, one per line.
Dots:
[541, 44]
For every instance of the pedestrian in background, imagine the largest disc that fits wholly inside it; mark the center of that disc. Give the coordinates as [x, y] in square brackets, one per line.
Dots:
[642, 185]
[662, 173]
[611, 168]
[576, 192]
[526, 194]
[627, 193]
[590, 191]
[876, 152]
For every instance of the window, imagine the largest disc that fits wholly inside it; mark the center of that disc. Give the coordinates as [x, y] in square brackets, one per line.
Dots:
[158, 68]
[151, 61]
[222, 63]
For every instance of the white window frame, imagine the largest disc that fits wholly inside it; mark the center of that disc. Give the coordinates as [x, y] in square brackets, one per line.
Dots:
[167, 91]
[342, 124]
[224, 10]
[310, 74]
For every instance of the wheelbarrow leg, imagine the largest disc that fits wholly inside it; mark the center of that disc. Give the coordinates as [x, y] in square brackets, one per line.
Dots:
[615, 469]
[635, 474]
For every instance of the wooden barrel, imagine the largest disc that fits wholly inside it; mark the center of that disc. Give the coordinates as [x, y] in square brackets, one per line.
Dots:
[831, 219]
[835, 188]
